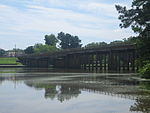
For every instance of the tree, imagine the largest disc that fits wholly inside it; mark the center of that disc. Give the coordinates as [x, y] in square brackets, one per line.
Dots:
[29, 50]
[38, 45]
[96, 44]
[130, 40]
[2, 52]
[40, 48]
[138, 17]
[117, 42]
[50, 40]
[68, 41]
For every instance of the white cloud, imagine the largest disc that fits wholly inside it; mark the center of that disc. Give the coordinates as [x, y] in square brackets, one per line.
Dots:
[100, 8]
[29, 26]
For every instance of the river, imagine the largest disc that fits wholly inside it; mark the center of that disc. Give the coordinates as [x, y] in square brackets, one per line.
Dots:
[25, 90]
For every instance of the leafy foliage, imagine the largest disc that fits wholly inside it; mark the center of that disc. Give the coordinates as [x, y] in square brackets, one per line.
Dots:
[117, 42]
[138, 17]
[145, 71]
[29, 50]
[40, 48]
[2, 52]
[130, 40]
[50, 40]
[68, 41]
[96, 44]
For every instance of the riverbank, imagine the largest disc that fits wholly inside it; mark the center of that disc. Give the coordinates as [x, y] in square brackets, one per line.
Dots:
[9, 62]
[11, 66]
[140, 79]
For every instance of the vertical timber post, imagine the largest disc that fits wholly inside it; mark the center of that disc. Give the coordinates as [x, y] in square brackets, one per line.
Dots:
[105, 55]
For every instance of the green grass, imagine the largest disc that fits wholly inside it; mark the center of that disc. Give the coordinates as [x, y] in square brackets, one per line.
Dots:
[8, 60]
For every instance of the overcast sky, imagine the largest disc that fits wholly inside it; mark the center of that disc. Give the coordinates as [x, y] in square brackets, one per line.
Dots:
[25, 22]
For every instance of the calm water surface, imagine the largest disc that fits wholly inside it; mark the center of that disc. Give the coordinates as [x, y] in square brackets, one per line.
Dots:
[45, 91]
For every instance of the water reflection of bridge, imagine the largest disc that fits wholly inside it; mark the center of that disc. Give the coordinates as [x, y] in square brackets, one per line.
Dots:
[117, 85]
[65, 91]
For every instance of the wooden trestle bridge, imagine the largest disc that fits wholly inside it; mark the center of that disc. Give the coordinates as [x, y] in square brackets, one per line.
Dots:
[114, 58]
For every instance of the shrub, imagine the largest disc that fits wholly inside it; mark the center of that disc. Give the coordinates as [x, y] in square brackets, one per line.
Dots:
[40, 48]
[145, 71]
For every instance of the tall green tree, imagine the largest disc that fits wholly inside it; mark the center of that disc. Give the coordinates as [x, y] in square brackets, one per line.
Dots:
[29, 50]
[138, 18]
[2, 52]
[69, 41]
[50, 40]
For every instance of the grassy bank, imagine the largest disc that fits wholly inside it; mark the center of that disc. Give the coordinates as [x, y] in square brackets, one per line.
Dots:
[8, 61]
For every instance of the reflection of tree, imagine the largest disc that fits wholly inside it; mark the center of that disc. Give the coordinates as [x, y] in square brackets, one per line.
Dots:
[50, 91]
[67, 92]
[1, 80]
[62, 91]
[141, 105]
[145, 85]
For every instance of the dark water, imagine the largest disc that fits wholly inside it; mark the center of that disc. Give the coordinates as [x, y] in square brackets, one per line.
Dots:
[59, 91]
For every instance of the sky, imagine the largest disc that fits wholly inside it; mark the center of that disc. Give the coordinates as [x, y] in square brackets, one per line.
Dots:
[25, 22]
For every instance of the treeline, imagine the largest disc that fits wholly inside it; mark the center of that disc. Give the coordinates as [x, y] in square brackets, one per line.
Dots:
[2, 52]
[67, 41]
[11, 53]
[55, 43]
[130, 40]
[63, 41]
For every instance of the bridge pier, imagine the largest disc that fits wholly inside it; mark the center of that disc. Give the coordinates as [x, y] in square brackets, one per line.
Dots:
[73, 61]
[105, 61]
[96, 65]
[100, 61]
[133, 61]
[59, 62]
